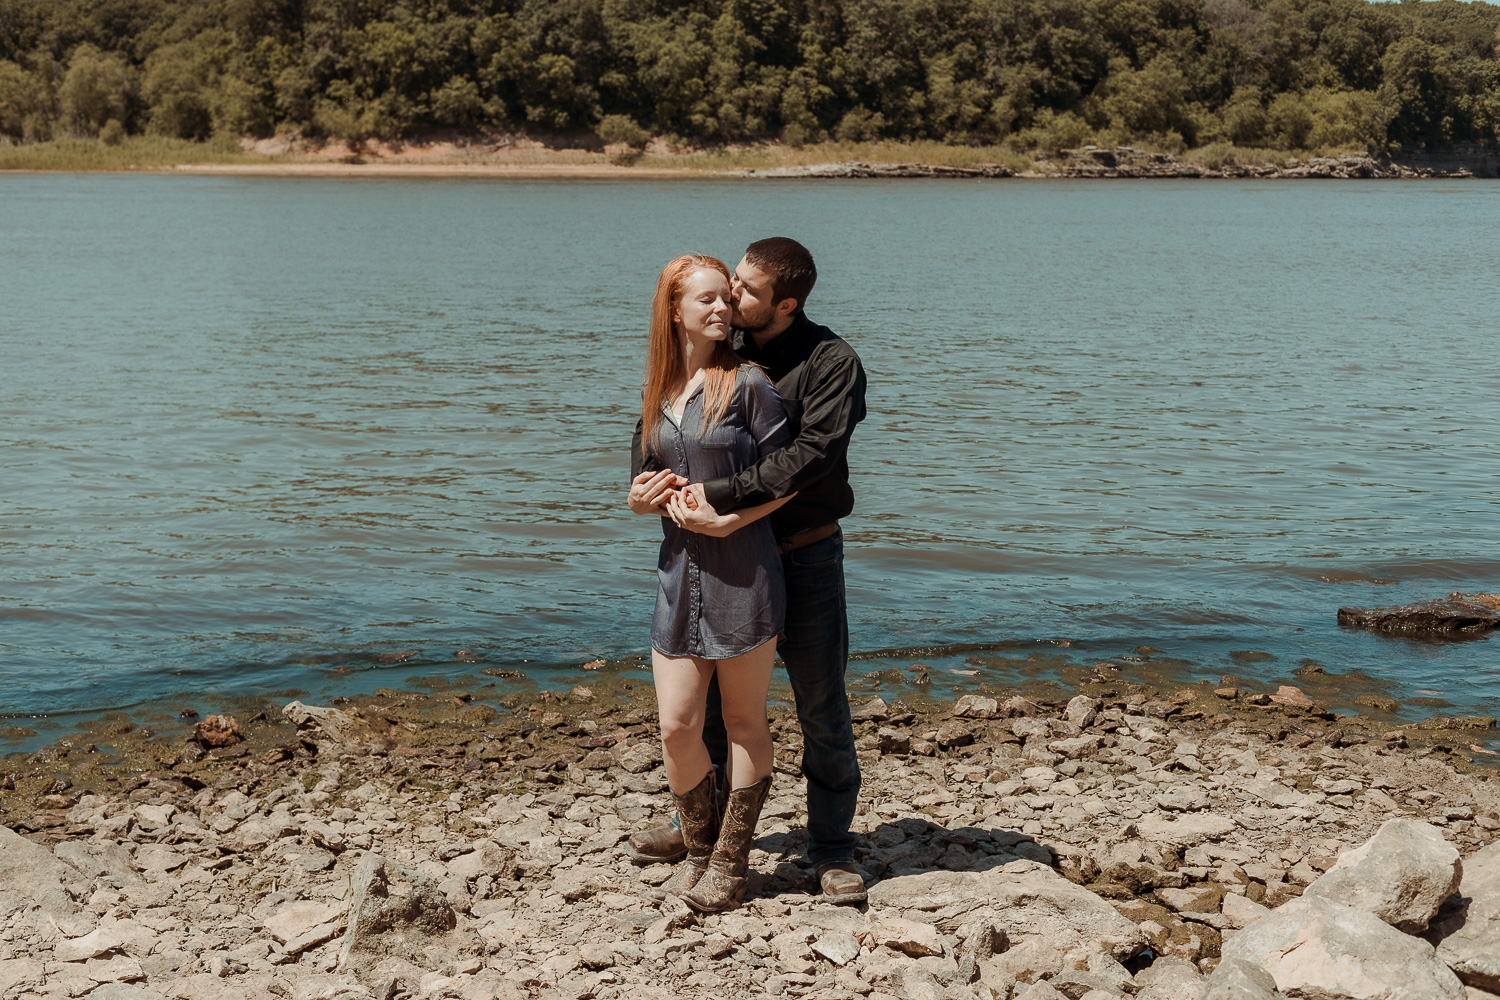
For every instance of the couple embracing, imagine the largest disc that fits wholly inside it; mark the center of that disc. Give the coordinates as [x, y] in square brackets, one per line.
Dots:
[741, 450]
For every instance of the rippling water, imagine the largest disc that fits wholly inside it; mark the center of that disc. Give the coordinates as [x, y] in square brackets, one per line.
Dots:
[259, 431]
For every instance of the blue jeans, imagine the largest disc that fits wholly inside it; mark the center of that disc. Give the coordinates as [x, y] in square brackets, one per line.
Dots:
[815, 651]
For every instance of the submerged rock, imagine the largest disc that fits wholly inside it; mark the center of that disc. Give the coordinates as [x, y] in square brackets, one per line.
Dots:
[1457, 614]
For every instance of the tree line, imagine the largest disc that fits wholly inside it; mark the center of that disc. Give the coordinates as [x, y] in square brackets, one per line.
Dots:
[1284, 74]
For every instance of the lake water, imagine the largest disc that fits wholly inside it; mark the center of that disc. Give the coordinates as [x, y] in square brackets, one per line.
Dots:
[260, 432]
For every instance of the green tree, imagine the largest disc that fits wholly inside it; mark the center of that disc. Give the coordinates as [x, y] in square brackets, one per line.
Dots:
[24, 102]
[98, 86]
[1416, 91]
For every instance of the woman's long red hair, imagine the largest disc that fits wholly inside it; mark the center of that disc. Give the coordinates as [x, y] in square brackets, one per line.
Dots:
[666, 368]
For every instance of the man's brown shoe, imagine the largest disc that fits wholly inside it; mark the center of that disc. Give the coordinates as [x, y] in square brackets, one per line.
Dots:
[658, 845]
[841, 884]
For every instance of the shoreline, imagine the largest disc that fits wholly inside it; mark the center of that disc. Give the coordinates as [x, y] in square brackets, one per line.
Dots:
[1187, 813]
[106, 742]
[531, 160]
[1094, 165]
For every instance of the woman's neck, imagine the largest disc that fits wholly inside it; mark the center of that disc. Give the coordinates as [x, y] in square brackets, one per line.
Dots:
[697, 352]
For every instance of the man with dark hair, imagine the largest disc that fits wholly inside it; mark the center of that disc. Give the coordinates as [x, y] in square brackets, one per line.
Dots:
[822, 385]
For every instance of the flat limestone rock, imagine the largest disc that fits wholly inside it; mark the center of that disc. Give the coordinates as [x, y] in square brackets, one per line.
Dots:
[1185, 831]
[296, 919]
[20, 973]
[30, 871]
[1316, 948]
[96, 942]
[1170, 978]
[124, 991]
[1240, 911]
[1025, 899]
[1402, 875]
[976, 706]
[1467, 928]
[1239, 980]
[96, 860]
[1456, 615]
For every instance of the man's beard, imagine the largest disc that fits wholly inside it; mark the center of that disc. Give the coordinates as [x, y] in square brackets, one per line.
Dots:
[751, 329]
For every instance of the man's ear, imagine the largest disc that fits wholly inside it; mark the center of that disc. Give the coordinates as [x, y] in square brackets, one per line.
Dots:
[787, 306]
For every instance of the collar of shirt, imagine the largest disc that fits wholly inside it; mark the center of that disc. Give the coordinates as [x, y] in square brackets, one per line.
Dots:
[745, 346]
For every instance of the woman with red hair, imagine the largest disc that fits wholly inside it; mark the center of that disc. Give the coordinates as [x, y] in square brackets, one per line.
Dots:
[721, 600]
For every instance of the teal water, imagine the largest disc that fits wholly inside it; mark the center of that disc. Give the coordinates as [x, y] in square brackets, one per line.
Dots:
[259, 432]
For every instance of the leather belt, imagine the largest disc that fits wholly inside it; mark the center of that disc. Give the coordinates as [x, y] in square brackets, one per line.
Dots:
[804, 538]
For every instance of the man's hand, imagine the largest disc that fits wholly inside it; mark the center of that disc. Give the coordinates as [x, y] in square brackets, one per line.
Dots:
[650, 491]
[690, 509]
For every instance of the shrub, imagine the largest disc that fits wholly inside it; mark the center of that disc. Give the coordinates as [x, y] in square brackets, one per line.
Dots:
[1051, 132]
[457, 103]
[859, 125]
[1245, 118]
[622, 130]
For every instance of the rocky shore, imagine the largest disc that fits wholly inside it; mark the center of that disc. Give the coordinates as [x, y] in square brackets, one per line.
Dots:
[1203, 843]
[1126, 162]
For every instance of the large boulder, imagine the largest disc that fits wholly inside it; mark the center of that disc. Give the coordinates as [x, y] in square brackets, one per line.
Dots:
[1024, 899]
[394, 911]
[1467, 928]
[29, 874]
[1316, 949]
[1401, 875]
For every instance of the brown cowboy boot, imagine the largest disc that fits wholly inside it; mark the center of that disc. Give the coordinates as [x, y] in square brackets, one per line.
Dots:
[723, 884]
[699, 812]
[657, 845]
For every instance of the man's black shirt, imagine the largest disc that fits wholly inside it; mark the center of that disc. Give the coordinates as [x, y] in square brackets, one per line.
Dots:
[822, 385]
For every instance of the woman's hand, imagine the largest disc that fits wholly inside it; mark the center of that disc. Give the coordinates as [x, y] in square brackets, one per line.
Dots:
[689, 508]
[650, 491]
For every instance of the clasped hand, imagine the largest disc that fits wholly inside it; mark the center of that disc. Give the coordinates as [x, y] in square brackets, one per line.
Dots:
[669, 495]
[650, 491]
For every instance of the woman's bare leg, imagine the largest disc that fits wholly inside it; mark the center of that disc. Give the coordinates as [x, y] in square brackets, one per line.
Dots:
[681, 689]
[743, 683]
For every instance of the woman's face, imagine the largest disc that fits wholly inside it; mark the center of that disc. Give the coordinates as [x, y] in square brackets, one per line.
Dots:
[705, 306]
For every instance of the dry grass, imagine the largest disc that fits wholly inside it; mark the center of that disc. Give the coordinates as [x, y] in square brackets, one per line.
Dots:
[135, 153]
[1220, 154]
[153, 153]
[765, 156]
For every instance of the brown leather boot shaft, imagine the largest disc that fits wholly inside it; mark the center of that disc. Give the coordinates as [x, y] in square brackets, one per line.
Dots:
[698, 811]
[723, 884]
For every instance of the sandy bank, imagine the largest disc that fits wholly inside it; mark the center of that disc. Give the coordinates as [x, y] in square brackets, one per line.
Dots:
[517, 171]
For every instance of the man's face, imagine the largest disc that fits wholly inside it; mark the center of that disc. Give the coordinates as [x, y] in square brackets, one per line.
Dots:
[754, 309]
